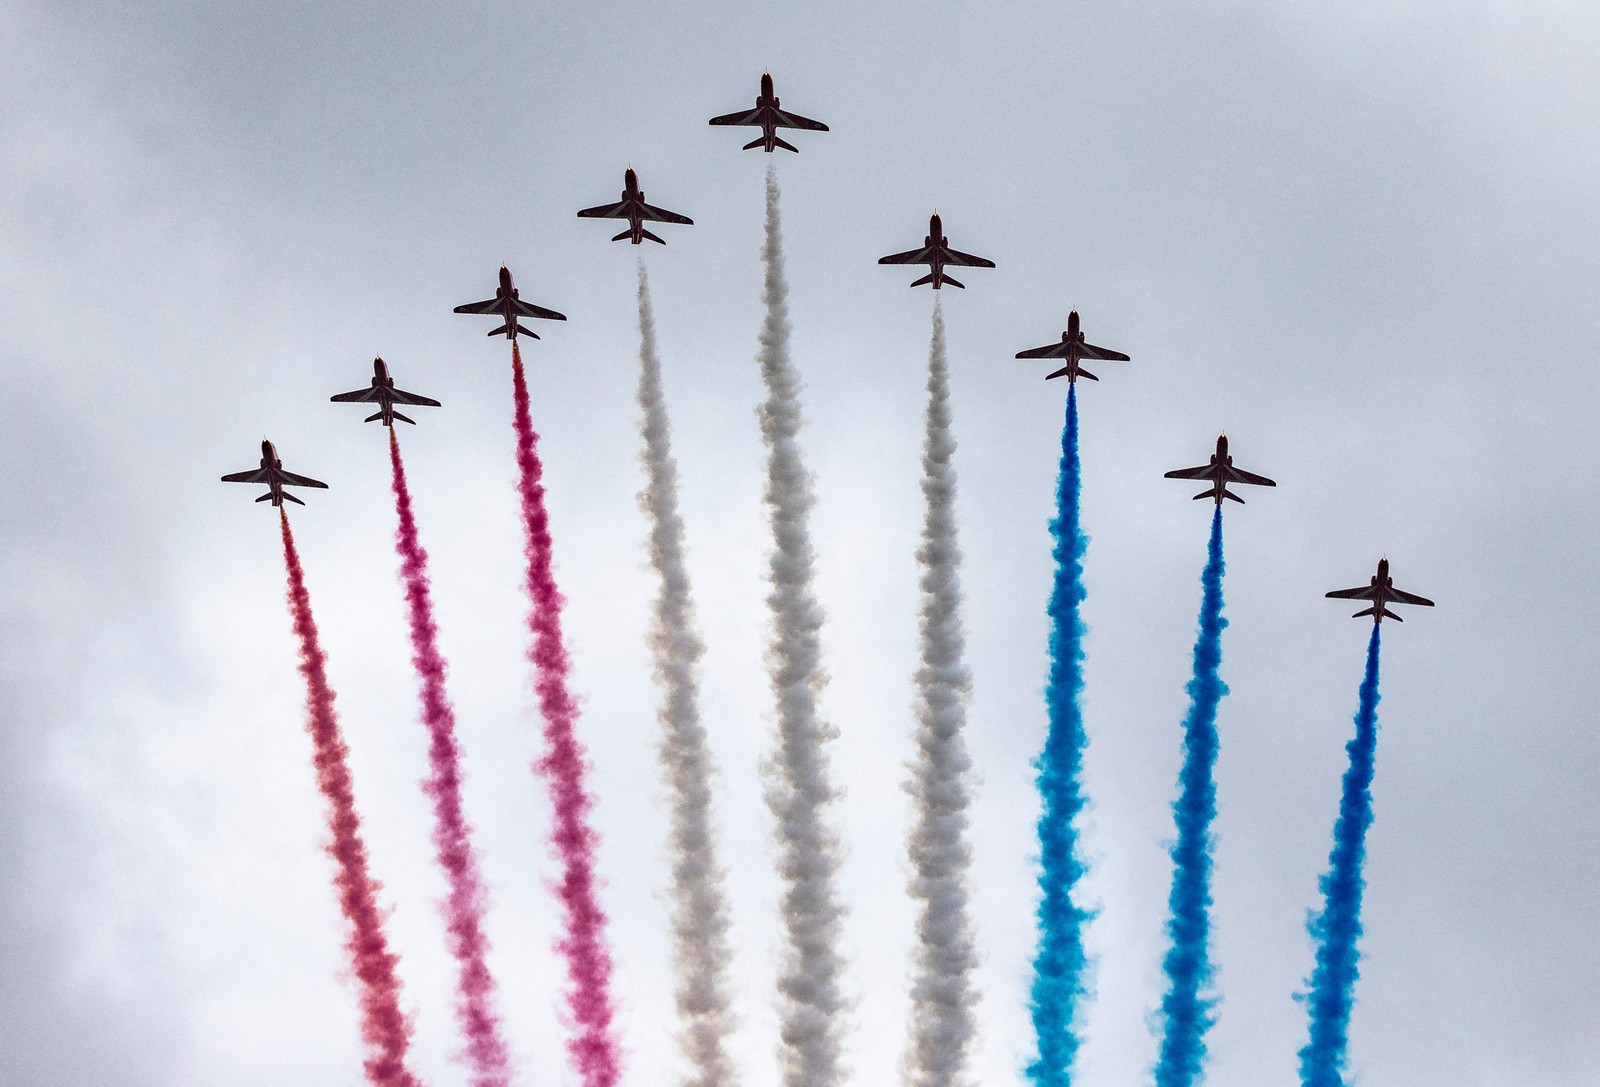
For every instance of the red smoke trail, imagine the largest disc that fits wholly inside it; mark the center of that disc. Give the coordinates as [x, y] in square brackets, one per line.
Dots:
[463, 906]
[593, 1050]
[383, 1027]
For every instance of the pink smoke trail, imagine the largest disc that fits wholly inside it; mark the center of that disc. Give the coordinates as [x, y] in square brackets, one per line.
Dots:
[464, 904]
[593, 1050]
[384, 1028]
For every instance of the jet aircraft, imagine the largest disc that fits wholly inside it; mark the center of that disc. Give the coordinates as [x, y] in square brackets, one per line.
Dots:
[1381, 592]
[1073, 348]
[507, 304]
[272, 475]
[1220, 472]
[936, 253]
[383, 393]
[769, 118]
[636, 211]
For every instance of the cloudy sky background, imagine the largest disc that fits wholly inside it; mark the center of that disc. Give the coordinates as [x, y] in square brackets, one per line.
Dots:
[1362, 242]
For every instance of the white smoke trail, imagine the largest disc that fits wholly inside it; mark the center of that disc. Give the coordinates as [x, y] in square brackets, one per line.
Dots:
[942, 993]
[811, 1005]
[699, 902]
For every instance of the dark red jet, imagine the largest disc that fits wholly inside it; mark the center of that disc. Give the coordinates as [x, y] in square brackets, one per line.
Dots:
[1220, 472]
[1380, 592]
[770, 118]
[271, 474]
[936, 253]
[383, 393]
[507, 304]
[636, 211]
[1073, 348]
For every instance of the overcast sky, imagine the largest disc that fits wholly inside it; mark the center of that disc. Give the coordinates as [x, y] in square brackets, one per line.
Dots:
[1361, 240]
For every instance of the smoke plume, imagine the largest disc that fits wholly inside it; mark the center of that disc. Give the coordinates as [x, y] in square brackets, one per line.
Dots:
[811, 1005]
[465, 900]
[942, 994]
[699, 899]
[384, 1030]
[1337, 928]
[1060, 963]
[592, 1047]
[1186, 1014]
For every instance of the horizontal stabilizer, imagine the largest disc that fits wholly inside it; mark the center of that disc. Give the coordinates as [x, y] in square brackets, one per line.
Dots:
[625, 234]
[501, 331]
[264, 497]
[373, 417]
[779, 141]
[1229, 494]
[524, 330]
[404, 419]
[759, 141]
[955, 283]
[646, 234]
[1066, 371]
[925, 279]
[287, 497]
[1212, 493]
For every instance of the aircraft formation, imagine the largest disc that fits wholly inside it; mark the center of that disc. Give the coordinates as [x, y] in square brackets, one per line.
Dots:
[935, 252]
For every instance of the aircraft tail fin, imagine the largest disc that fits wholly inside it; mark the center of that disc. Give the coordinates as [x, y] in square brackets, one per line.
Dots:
[651, 237]
[1212, 493]
[955, 283]
[1379, 614]
[264, 497]
[779, 141]
[374, 417]
[287, 497]
[625, 234]
[524, 330]
[1084, 373]
[759, 141]
[503, 330]
[925, 279]
[1229, 494]
[403, 419]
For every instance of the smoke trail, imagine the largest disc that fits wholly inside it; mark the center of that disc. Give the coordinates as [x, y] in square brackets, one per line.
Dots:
[384, 1029]
[1338, 926]
[798, 789]
[1060, 963]
[464, 905]
[942, 995]
[699, 902]
[592, 1048]
[1186, 1014]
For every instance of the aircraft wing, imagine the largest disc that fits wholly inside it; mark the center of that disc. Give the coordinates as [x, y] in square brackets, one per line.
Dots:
[301, 481]
[910, 256]
[1090, 351]
[1408, 598]
[528, 309]
[1363, 593]
[1239, 475]
[662, 215]
[368, 395]
[400, 396]
[785, 119]
[966, 260]
[1203, 472]
[259, 475]
[1048, 351]
[605, 211]
[745, 117]
[491, 306]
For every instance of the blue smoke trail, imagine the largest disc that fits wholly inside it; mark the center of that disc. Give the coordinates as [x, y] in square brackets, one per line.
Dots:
[1059, 964]
[1185, 1013]
[1338, 927]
